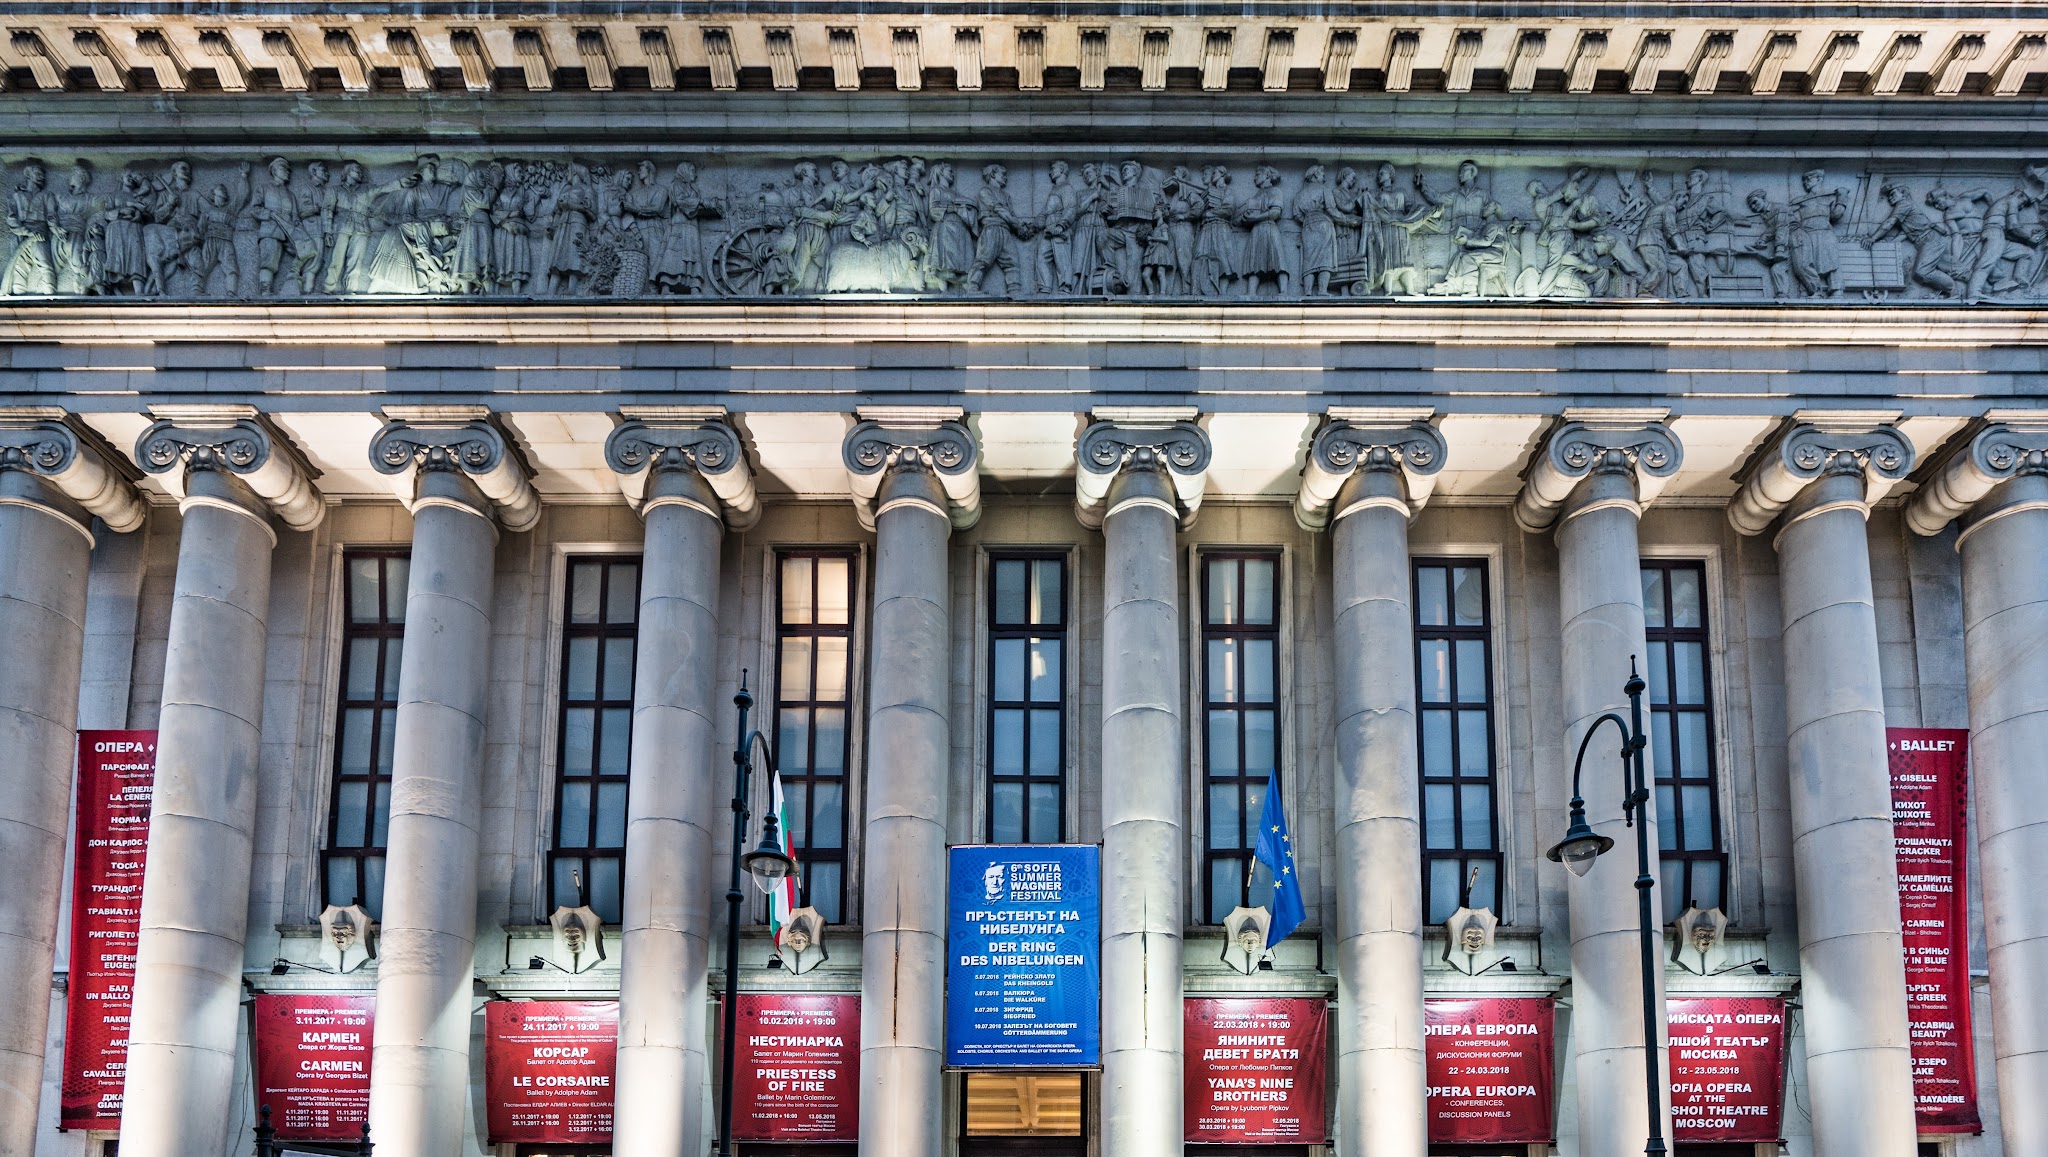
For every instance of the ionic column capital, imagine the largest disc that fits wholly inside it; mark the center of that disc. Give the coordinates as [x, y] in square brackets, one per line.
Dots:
[656, 439]
[462, 440]
[2014, 444]
[933, 439]
[1624, 442]
[1820, 444]
[1162, 438]
[234, 441]
[73, 471]
[1398, 442]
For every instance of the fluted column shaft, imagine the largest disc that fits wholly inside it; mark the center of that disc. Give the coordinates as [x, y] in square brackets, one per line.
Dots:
[903, 906]
[1144, 885]
[662, 1064]
[44, 556]
[1600, 590]
[1380, 1071]
[179, 1090]
[1851, 956]
[419, 1075]
[2005, 632]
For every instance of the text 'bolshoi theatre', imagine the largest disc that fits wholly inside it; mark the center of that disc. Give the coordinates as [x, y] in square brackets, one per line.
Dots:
[938, 579]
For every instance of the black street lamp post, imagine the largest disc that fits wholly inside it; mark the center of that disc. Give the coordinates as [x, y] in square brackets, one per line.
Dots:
[769, 865]
[1581, 845]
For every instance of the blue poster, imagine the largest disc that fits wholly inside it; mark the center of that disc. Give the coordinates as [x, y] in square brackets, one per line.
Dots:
[1023, 972]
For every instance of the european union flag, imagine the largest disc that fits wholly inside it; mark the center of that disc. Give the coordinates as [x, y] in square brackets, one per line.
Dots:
[1276, 850]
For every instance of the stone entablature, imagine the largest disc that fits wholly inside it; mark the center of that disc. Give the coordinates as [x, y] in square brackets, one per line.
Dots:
[618, 225]
[1702, 49]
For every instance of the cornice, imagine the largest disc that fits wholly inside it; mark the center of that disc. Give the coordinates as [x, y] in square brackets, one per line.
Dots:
[1583, 46]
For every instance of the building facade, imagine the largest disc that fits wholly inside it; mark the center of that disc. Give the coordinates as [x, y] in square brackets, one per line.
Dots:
[1067, 427]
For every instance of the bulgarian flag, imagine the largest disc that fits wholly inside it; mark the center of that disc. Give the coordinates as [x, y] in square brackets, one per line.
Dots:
[782, 900]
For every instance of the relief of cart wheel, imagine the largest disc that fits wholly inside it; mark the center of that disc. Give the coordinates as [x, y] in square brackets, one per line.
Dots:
[750, 262]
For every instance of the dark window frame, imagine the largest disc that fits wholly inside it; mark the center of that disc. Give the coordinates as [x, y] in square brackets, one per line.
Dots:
[1453, 633]
[383, 715]
[581, 857]
[808, 856]
[1244, 780]
[1663, 642]
[1029, 632]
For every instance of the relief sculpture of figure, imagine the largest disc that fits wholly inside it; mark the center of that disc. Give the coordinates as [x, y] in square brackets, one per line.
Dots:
[273, 212]
[952, 219]
[1927, 235]
[1055, 266]
[1003, 231]
[216, 253]
[1480, 259]
[124, 265]
[1216, 239]
[171, 236]
[476, 237]
[1180, 207]
[1265, 257]
[350, 217]
[1090, 231]
[1816, 254]
[2015, 241]
[1964, 214]
[1316, 208]
[32, 221]
[1128, 218]
[1771, 230]
[75, 243]
[1391, 223]
[1703, 238]
[1654, 221]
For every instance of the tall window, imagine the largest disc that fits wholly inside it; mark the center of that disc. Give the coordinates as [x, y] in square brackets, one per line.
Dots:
[813, 695]
[1240, 690]
[598, 636]
[1027, 716]
[1454, 690]
[1682, 737]
[372, 638]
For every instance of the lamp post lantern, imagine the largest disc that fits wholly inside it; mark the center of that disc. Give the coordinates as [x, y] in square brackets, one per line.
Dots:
[1581, 845]
[768, 865]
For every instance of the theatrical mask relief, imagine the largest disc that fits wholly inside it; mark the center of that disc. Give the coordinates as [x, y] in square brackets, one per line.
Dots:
[442, 225]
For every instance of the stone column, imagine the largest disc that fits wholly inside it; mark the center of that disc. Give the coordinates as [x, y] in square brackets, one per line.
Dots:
[912, 474]
[1138, 480]
[1365, 483]
[464, 485]
[1815, 486]
[179, 1093]
[687, 477]
[1998, 485]
[1590, 482]
[51, 487]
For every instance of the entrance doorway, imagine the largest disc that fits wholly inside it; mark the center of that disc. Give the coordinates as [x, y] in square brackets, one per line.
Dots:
[1039, 1114]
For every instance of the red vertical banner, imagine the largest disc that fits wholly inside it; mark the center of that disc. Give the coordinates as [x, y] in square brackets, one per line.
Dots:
[1256, 1069]
[796, 1068]
[1489, 1065]
[313, 1064]
[548, 1068]
[116, 771]
[1930, 806]
[1727, 1067]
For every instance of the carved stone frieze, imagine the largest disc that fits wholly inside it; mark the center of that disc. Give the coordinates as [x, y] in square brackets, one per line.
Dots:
[1997, 454]
[640, 448]
[470, 445]
[1816, 445]
[930, 438]
[41, 444]
[233, 440]
[1414, 449]
[300, 226]
[1639, 445]
[1167, 439]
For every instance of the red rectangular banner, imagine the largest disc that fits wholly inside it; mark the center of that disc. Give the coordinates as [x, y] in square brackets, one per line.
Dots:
[1489, 1064]
[1255, 1070]
[116, 771]
[1727, 1067]
[548, 1068]
[1930, 801]
[796, 1068]
[313, 1064]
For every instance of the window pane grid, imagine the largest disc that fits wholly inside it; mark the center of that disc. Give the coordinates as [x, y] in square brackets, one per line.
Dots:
[1693, 864]
[813, 690]
[600, 630]
[372, 645]
[1241, 728]
[1454, 695]
[1027, 789]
